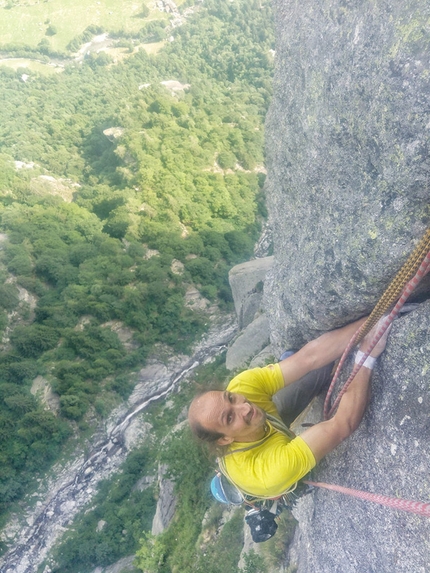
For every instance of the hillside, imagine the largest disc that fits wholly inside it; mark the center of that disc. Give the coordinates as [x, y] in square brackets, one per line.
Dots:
[130, 182]
[132, 179]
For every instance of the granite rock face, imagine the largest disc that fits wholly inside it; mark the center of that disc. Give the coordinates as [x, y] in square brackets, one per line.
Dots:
[250, 342]
[347, 156]
[166, 502]
[246, 282]
[348, 197]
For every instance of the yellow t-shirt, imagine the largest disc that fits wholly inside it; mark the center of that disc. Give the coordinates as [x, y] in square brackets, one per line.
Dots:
[273, 466]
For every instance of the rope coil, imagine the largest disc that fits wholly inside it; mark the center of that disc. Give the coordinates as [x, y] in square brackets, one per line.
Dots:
[400, 288]
[395, 288]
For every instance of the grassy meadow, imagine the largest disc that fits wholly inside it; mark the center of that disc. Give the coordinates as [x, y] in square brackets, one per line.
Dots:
[27, 21]
[32, 65]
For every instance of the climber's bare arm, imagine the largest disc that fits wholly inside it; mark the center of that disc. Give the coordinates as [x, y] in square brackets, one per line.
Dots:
[318, 352]
[325, 436]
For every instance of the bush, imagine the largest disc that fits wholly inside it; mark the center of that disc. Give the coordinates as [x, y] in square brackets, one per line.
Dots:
[226, 160]
[31, 341]
[254, 563]
[275, 549]
[51, 30]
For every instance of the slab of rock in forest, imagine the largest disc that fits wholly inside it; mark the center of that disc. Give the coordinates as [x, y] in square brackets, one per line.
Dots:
[246, 282]
[166, 502]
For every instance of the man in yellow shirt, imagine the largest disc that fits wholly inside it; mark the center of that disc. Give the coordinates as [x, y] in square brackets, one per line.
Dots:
[259, 458]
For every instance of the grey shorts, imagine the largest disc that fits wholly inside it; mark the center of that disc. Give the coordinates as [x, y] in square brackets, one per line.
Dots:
[293, 399]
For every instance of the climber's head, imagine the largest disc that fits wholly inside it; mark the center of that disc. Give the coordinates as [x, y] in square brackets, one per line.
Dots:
[223, 417]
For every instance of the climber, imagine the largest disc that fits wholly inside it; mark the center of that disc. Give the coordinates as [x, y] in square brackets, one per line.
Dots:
[242, 422]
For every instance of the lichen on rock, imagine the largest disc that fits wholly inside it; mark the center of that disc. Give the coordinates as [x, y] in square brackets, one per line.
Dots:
[347, 152]
[348, 199]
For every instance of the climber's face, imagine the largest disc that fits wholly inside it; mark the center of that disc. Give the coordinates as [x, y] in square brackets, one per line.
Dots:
[229, 414]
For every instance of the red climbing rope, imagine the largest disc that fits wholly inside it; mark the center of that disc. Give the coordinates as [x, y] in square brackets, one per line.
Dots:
[407, 291]
[416, 507]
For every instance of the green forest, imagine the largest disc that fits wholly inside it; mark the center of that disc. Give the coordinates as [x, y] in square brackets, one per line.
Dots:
[108, 179]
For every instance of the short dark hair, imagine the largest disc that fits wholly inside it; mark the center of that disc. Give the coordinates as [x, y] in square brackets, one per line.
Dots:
[203, 434]
[206, 437]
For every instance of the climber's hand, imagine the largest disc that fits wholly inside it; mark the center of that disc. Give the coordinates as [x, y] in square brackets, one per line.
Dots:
[380, 346]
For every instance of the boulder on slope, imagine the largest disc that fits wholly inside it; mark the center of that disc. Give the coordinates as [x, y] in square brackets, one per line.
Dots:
[246, 282]
[166, 503]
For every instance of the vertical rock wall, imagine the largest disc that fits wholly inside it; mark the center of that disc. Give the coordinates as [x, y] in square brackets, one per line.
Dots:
[348, 157]
[348, 197]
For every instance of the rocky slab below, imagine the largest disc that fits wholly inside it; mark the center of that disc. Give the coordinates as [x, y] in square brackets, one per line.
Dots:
[250, 342]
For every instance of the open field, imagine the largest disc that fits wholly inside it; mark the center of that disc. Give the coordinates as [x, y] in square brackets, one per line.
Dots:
[33, 65]
[154, 47]
[118, 54]
[27, 21]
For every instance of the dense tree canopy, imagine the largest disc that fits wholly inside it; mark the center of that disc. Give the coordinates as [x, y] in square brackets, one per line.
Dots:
[108, 178]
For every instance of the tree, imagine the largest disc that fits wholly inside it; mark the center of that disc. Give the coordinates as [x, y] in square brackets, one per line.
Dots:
[148, 190]
[34, 339]
[20, 403]
[44, 45]
[226, 160]
[150, 556]
[51, 30]
[8, 296]
[73, 406]
[19, 372]
[240, 243]
[145, 11]
[20, 265]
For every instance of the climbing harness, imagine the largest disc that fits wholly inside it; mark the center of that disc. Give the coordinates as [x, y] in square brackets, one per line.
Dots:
[400, 288]
[261, 511]
[271, 423]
